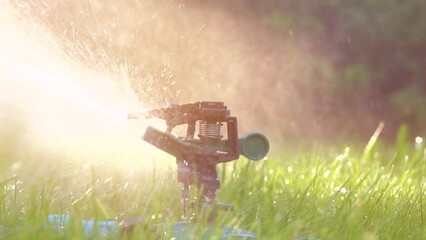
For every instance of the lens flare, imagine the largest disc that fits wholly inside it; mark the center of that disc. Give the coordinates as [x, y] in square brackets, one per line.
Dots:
[62, 106]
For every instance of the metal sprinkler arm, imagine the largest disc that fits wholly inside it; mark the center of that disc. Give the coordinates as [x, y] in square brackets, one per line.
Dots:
[196, 158]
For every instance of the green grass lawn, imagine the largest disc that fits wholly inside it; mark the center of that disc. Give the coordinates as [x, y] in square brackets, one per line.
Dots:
[374, 193]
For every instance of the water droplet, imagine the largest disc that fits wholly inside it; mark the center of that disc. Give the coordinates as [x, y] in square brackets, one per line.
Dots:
[419, 140]
[327, 173]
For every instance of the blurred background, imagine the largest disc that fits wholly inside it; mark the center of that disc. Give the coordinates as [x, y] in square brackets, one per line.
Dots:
[316, 77]
[299, 71]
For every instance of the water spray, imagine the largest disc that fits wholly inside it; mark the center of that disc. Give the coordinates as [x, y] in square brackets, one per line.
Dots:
[197, 156]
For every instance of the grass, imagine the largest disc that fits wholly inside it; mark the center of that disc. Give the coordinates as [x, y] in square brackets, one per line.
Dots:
[375, 193]
[352, 192]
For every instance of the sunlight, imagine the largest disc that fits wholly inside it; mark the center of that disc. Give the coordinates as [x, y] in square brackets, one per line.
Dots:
[64, 107]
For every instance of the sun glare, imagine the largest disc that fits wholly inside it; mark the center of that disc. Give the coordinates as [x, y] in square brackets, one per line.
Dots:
[64, 107]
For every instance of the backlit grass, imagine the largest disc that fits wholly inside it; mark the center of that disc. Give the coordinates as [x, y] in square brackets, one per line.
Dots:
[378, 193]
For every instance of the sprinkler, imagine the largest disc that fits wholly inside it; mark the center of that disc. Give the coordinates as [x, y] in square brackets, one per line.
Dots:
[197, 154]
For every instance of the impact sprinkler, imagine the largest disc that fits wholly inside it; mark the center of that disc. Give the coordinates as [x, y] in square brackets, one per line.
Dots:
[197, 156]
